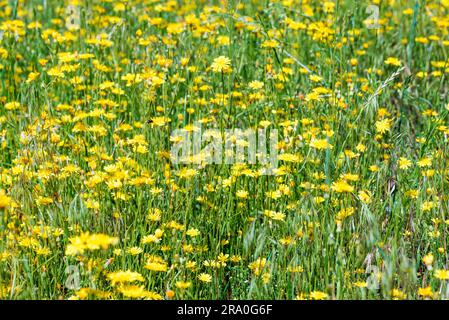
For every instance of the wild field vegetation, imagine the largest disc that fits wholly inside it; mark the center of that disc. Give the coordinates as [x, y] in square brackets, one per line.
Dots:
[93, 207]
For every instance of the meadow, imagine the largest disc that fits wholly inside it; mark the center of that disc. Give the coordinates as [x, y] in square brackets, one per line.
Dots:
[92, 205]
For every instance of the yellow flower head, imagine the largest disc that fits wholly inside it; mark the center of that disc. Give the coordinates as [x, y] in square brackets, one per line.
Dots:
[221, 64]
